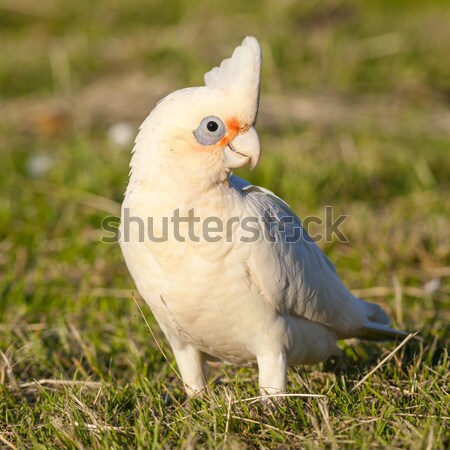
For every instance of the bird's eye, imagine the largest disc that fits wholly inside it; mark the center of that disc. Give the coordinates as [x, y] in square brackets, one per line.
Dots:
[210, 131]
[212, 126]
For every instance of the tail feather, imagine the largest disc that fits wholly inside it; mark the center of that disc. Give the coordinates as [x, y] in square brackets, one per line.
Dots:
[377, 327]
[378, 332]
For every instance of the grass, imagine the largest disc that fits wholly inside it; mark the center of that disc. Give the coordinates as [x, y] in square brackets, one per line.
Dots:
[354, 114]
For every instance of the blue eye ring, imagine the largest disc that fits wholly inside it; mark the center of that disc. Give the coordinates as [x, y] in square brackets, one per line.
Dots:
[210, 131]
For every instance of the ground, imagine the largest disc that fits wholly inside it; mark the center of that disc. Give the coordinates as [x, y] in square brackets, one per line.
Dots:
[354, 114]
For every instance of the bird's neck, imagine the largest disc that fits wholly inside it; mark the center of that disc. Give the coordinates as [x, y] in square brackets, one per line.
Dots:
[177, 179]
[163, 190]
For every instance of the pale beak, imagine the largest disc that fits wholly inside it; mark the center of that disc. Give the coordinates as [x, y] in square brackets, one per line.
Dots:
[242, 150]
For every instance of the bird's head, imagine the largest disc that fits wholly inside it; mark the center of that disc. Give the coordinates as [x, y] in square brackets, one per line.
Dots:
[205, 131]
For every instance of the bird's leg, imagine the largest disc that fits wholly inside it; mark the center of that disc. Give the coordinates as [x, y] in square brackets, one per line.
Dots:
[272, 373]
[192, 365]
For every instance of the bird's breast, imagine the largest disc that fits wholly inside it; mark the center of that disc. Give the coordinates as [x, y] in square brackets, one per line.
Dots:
[189, 264]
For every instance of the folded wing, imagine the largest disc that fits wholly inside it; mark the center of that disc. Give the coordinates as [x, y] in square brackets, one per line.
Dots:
[297, 278]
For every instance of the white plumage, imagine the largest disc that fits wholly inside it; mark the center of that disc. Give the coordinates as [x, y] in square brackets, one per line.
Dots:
[267, 301]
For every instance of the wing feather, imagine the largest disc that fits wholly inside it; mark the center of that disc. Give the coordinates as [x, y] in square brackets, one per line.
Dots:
[295, 275]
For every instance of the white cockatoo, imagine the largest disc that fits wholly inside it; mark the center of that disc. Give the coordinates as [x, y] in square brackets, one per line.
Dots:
[251, 291]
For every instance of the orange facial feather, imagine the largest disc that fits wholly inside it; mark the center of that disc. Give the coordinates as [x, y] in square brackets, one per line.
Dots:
[232, 130]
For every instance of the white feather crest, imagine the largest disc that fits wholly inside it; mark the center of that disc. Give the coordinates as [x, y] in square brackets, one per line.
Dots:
[240, 75]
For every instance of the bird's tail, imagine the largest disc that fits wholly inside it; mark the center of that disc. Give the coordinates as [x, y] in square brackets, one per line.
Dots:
[378, 332]
[377, 328]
